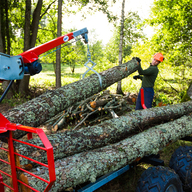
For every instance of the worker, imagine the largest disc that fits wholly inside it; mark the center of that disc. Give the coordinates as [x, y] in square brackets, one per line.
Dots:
[148, 77]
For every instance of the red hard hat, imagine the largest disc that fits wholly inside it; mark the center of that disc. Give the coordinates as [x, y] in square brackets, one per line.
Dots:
[158, 57]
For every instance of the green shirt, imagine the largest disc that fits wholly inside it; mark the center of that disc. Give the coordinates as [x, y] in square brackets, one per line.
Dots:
[149, 75]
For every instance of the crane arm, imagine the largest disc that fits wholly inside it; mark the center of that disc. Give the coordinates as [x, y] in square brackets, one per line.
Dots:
[31, 55]
[14, 67]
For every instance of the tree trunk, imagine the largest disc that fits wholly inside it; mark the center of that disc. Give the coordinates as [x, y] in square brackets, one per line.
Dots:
[37, 111]
[110, 131]
[119, 88]
[35, 23]
[58, 52]
[27, 25]
[1, 36]
[30, 36]
[7, 29]
[87, 166]
[188, 94]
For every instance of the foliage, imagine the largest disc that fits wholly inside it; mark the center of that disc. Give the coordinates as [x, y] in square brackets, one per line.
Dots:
[74, 55]
[17, 99]
[161, 99]
[172, 20]
[132, 34]
[11, 21]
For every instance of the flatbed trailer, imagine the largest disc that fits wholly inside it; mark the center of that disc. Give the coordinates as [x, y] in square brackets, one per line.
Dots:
[7, 130]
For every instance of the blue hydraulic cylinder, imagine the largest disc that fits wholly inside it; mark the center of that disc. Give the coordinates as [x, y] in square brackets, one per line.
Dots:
[33, 68]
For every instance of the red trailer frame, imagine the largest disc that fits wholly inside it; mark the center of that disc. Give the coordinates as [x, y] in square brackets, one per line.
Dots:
[5, 126]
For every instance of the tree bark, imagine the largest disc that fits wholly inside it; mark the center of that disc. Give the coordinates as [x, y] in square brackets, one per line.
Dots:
[110, 131]
[35, 112]
[1, 27]
[87, 166]
[58, 52]
[119, 88]
[30, 36]
[7, 28]
[35, 23]
[27, 25]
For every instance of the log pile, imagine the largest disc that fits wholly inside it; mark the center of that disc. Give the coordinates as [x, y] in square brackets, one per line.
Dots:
[40, 109]
[36, 111]
[84, 153]
[87, 166]
[70, 142]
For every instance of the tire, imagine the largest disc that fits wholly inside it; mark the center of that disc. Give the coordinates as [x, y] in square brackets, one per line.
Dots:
[181, 162]
[159, 179]
[179, 151]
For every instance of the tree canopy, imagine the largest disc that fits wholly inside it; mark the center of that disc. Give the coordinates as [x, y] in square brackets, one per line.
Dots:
[172, 20]
[132, 34]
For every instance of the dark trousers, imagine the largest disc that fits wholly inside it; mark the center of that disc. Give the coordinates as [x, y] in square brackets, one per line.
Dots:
[148, 98]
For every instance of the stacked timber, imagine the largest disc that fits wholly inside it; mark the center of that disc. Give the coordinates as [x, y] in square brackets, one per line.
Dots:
[108, 132]
[86, 153]
[87, 166]
[35, 112]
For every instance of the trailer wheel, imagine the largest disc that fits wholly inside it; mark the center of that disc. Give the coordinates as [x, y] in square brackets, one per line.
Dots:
[179, 151]
[159, 179]
[181, 162]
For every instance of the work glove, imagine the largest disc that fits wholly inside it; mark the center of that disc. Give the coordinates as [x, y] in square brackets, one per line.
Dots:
[137, 77]
[137, 58]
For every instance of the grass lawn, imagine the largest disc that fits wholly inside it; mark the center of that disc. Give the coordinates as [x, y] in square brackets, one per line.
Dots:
[47, 76]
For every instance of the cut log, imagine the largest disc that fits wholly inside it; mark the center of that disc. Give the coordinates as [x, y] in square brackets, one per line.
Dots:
[98, 103]
[36, 111]
[87, 166]
[110, 131]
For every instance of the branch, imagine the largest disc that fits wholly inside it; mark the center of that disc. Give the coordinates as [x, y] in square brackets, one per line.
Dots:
[47, 9]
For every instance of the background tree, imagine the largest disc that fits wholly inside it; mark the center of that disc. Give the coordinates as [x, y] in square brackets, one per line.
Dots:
[172, 20]
[58, 52]
[132, 34]
[119, 90]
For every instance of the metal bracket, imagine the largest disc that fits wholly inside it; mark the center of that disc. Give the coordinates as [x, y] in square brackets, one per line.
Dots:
[83, 32]
[153, 160]
[104, 179]
[11, 67]
[91, 68]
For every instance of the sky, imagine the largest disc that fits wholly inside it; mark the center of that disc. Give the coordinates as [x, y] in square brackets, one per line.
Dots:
[99, 23]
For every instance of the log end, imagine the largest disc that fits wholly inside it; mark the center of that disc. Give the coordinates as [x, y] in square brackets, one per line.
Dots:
[24, 179]
[27, 167]
[55, 128]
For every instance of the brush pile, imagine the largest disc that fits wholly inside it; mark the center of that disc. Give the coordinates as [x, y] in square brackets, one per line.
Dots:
[93, 110]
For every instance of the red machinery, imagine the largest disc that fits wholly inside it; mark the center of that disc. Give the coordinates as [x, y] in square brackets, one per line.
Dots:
[13, 68]
[5, 126]
[142, 99]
